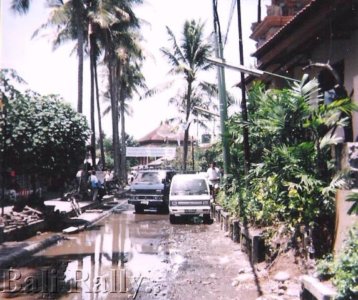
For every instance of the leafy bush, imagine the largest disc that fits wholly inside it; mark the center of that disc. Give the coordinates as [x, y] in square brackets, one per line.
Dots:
[325, 267]
[346, 271]
[343, 270]
[43, 135]
[290, 179]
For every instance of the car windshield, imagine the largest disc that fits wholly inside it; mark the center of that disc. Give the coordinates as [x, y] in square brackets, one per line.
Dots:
[150, 177]
[189, 186]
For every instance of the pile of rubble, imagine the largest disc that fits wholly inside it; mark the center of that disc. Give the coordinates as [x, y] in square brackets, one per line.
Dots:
[13, 219]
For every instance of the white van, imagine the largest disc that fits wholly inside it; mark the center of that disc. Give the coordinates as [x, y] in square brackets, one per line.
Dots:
[189, 196]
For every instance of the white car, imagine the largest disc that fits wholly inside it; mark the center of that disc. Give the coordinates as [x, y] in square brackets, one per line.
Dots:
[189, 196]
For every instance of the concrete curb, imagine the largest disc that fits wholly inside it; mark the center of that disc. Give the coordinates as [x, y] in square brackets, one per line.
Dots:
[99, 218]
[312, 287]
[10, 259]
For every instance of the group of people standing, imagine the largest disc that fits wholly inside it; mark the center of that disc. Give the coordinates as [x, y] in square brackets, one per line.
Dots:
[89, 180]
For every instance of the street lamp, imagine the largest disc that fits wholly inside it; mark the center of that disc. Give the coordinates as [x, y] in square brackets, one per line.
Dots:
[206, 111]
[240, 68]
[243, 69]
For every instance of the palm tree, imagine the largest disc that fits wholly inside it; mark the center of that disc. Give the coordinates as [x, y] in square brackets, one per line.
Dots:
[80, 20]
[109, 22]
[70, 19]
[75, 13]
[131, 79]
[117, 33]
[188, 59]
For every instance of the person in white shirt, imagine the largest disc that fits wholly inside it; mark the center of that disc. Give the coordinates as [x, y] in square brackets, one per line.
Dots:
[79, 175]
[94, 183]
[213, 175]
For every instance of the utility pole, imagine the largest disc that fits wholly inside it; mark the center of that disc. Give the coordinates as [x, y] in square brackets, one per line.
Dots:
[245, 129]
[192, 152]
[222, 90]
[3, 119]
[259, 11]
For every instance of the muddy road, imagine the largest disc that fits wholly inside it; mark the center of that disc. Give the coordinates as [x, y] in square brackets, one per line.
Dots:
[141, 256]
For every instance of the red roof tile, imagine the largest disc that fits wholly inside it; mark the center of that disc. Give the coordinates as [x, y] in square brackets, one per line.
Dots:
[163, 133]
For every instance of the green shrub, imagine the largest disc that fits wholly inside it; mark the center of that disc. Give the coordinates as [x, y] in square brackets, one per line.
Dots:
[343, 270]
[346, 268]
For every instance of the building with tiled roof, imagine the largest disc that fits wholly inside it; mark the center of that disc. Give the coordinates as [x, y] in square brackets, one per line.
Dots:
[163, 135]
[296, 35]
[320, 39]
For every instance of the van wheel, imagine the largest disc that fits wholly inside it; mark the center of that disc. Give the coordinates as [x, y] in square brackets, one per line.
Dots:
[172, 219]
[138, 208]
[206, 219]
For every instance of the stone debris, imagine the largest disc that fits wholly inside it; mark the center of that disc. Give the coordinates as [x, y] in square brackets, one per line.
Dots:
[245, 277]
[282, 276]
[13, 219]
[294, 292]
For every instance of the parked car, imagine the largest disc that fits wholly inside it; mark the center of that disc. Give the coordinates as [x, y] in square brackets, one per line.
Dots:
[150, 188]
[189, 196]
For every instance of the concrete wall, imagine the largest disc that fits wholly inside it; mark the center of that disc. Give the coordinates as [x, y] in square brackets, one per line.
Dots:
[343, 221]
[346, 50]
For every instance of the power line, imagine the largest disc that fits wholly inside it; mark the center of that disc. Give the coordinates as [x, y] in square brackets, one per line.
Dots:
[233, 4]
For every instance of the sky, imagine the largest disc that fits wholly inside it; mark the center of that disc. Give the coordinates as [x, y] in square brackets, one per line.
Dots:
[55, 71]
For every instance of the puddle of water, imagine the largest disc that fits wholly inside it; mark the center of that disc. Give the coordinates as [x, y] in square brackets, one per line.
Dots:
[104, 261]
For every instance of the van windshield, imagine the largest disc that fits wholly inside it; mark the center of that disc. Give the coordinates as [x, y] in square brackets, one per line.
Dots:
[186, 186]
[152, 177]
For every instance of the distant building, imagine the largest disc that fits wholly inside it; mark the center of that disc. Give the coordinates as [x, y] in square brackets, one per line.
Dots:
[163, 135]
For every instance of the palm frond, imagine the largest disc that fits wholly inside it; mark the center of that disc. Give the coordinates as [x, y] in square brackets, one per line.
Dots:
[340, 181]
[20, 6]
[177, 52]
[353, 197]
[157, 89]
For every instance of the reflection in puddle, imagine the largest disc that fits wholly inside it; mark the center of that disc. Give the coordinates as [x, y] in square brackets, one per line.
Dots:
[105, 262]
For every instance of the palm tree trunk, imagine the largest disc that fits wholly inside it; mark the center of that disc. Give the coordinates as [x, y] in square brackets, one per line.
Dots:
[103, 158]
[80, 43]
[93, 128]
[186, 132]
[114, 110]
[185, 148]
[93, 58]
[123, 138]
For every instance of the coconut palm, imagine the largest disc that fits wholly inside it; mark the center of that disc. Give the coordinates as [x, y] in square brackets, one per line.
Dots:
[188, 59]
[131, 79]
[75, 12]
[71, 22]
[117, 34]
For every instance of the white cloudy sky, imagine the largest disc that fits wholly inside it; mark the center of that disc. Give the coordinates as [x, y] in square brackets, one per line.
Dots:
[47, 71]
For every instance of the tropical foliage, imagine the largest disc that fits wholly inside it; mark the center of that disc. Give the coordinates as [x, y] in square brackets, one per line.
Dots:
[42, 135]
[342, 270]
[187, 58]
[108, 31]
[292, 179]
